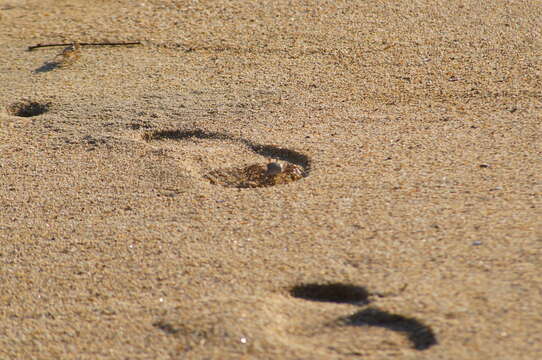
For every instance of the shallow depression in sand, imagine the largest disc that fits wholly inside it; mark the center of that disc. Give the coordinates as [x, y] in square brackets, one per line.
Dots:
[27, 108]
[279, 165]
[255, 175]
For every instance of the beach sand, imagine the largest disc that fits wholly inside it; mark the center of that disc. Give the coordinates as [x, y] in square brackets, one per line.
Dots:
[138, 220]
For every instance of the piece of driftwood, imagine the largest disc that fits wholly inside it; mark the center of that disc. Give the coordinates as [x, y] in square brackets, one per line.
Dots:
[33, 47]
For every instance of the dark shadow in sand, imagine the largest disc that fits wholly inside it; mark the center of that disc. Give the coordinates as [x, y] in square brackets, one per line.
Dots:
[333, 292]
[27, 108]
[420, 335]
[48, 66]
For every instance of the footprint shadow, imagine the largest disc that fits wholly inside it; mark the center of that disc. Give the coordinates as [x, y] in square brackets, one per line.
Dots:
[28, 108]
[46, 67]
[421, 336]
[333, 292]
[297, 165]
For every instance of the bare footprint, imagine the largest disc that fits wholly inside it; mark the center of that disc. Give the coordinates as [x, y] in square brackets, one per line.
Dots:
[228, 161]
[314, 327]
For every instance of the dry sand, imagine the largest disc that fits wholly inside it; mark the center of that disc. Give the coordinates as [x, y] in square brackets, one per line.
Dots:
[415, 127]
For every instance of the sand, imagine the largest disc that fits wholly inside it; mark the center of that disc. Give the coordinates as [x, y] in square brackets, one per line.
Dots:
[138, 220]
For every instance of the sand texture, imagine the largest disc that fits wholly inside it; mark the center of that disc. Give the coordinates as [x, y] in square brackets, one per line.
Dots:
[271, 180]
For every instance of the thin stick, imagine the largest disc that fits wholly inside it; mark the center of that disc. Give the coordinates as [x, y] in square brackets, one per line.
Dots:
[30, 48]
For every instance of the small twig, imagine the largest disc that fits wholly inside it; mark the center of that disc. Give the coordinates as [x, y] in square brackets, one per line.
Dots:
[30, 48]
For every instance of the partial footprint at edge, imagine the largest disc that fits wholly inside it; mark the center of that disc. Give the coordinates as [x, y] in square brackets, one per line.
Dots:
[292, 165]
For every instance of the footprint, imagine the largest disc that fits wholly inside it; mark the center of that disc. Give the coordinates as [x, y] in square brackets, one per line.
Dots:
[27, 108]
[230, 161]
[276, 324]
[420, 335]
